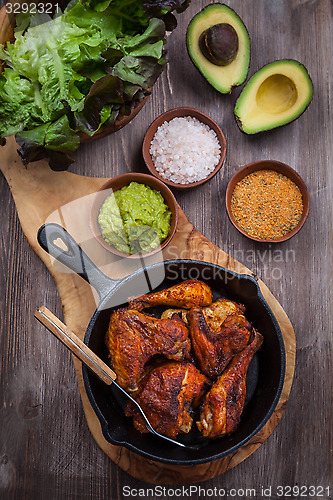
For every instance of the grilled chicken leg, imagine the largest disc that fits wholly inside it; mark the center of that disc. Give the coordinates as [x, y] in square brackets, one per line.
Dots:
[133, 338]
[184, 295]
[166, 396]
[215, 344]
[224, 403]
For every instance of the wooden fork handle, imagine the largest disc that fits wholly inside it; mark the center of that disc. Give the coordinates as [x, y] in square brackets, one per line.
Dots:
[75, 345]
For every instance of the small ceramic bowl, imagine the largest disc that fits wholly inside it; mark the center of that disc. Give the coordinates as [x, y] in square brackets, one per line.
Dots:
[117, 183]
[166, 117]
[283, 169]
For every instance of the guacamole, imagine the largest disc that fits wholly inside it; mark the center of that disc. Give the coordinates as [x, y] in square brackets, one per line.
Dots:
[135, 219]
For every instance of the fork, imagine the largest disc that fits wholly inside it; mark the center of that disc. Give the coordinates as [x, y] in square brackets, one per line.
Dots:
[93, 362]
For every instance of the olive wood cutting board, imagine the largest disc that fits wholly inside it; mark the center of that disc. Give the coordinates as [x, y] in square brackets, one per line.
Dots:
[41, 195]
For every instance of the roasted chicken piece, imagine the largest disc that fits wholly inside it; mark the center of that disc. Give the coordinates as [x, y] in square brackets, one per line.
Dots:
[168, 314]
[214, 314]
[185, 295]
[133, 338]
[215, 343]
[167, 396]
[224, 403]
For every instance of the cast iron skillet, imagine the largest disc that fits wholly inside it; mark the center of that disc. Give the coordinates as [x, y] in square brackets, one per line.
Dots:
[266, 372]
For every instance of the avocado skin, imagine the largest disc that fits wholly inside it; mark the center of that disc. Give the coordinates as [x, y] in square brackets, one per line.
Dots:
[288, 121]
[245, 38]
[261, 132]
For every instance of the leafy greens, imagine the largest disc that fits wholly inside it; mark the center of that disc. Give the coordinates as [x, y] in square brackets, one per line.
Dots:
[79, 70]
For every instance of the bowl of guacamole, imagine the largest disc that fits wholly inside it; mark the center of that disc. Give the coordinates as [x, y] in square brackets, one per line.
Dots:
[134, 215]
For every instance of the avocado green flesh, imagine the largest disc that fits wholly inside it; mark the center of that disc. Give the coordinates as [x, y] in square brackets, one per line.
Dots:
[222, 78]
[274, 96]
[134, 219]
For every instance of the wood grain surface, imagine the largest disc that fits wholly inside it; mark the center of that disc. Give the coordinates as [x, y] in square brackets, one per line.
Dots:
[38, 199]
[47, 450]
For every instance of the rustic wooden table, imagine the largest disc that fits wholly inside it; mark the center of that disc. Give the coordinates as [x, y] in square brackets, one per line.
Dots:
[46, 449]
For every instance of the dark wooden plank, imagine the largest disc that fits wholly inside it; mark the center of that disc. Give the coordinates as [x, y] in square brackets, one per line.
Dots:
[46, 450]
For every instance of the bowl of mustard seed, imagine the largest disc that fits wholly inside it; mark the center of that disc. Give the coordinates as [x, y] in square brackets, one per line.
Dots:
[267, 201]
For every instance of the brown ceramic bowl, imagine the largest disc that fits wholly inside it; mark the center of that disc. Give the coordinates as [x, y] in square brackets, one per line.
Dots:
[117, 183]
[283, 169]
[166, 117]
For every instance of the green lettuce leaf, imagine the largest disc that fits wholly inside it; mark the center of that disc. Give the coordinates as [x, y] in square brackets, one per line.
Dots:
[154, 31]
[142, 71]
[19, 107]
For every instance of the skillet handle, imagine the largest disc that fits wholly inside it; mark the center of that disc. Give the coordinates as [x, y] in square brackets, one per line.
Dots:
[73, 257]
[75, 345]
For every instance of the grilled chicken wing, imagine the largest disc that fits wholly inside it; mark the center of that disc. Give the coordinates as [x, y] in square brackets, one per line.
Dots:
[166, 396]
[184, 295]
[214, 314]
[215, 343]
[133, 338]
[168, 314]
[224, 403]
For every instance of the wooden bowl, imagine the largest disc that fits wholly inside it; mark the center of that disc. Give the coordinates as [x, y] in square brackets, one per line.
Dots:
[7, 23]
[117, 183]
[166, 117]
[283, 169]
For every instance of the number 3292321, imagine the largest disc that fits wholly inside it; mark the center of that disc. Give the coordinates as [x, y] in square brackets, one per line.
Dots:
[33, 8]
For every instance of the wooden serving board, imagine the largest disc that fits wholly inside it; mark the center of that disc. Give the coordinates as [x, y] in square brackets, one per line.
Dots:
[43, 195]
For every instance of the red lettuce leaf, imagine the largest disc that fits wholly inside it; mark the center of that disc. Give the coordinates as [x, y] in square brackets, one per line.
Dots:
[108, 89]
[51, 141]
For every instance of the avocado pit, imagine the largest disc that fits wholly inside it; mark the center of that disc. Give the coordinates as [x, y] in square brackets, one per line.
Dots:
[219, 44]
[276, 94]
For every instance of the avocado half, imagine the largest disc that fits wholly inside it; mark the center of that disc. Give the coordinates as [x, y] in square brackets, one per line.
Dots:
[274, 96]
[222, 78]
